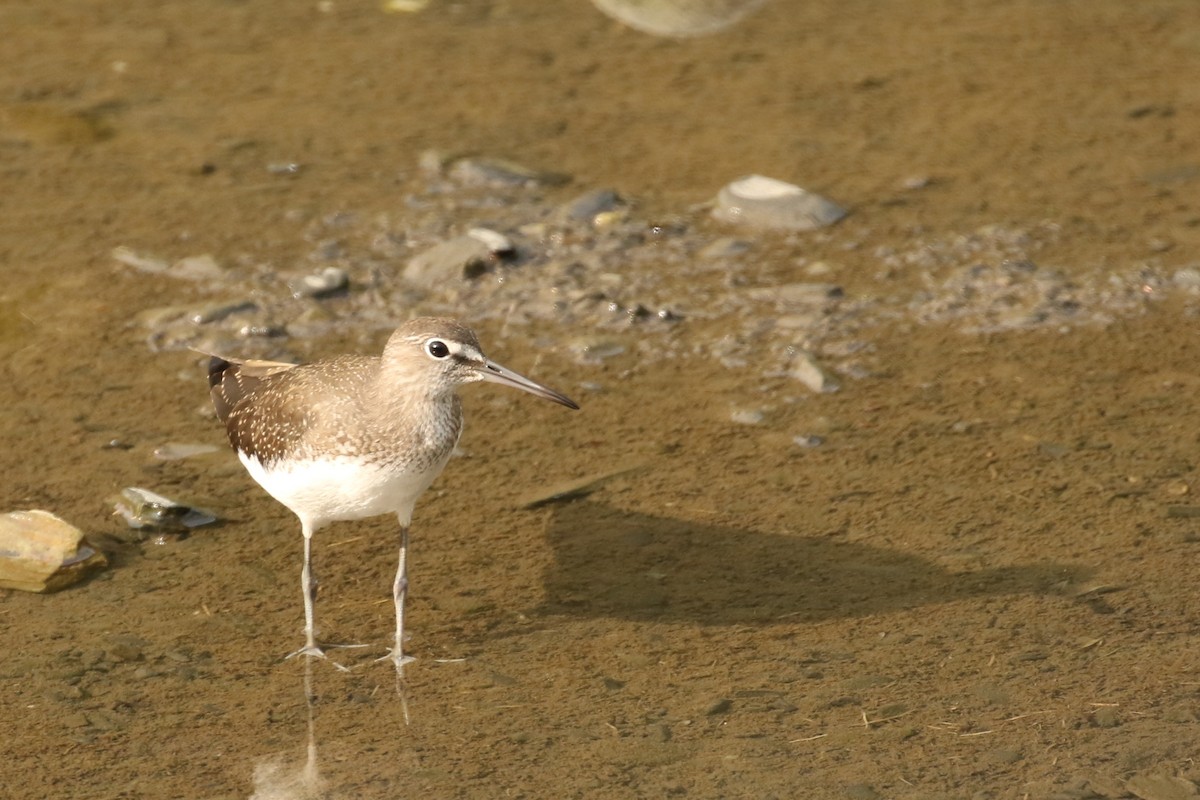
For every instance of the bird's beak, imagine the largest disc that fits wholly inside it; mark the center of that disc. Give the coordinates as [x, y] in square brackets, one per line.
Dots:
[491, 371]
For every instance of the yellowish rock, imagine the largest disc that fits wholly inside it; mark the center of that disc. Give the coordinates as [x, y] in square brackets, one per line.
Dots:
[40, 552]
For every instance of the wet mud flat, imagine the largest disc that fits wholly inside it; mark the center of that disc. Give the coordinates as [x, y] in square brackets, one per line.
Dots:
[901, 507]
[981, 589]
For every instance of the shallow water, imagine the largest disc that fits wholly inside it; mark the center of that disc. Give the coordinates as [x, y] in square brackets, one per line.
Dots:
[977, 584]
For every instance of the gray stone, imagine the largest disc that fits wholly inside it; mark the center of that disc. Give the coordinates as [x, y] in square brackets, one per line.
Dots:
[804, 368]
[461, 258]
[586, 207]
[329, 281]
[756, 201]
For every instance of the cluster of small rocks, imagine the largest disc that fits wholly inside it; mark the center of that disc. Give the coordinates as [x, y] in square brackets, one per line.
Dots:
[483, 239]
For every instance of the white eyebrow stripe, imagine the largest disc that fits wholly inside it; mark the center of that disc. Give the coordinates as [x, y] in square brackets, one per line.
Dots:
[465, 350]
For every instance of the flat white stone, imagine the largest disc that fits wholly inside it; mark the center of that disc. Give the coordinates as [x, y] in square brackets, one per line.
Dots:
[759, 187]
[678, 18]
[494, 241]
[757, 201]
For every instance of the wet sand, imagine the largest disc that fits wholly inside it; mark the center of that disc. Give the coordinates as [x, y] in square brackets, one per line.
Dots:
[980, 583]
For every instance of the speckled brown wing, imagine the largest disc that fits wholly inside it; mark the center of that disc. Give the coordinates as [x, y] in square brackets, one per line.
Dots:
[230, 382]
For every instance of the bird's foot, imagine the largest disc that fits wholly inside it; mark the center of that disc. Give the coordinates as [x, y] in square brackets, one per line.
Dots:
[398, 658]
[313, 651]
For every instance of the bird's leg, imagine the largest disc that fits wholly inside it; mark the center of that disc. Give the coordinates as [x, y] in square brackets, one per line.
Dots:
[308, 585]
[399, 593]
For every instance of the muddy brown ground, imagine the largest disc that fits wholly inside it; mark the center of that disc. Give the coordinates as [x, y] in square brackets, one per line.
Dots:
[981, 585]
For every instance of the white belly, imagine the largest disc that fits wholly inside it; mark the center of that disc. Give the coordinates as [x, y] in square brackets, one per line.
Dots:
[341, 488]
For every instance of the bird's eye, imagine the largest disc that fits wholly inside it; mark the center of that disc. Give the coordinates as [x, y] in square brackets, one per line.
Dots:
[437, 348]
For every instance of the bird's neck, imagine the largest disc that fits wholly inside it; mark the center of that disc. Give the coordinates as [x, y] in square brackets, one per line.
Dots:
[400, 397]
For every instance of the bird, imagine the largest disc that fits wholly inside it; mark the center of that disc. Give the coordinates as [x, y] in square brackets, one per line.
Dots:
[352, 437]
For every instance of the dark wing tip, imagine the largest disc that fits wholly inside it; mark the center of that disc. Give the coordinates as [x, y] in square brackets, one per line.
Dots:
[216, 370]
[223, 386]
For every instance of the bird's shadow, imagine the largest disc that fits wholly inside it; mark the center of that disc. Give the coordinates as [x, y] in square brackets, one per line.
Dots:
[609, 562]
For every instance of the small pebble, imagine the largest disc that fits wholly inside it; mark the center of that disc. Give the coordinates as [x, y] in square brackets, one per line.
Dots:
[284, 168]
[175, 451]
[588, 206]
[327, 282]
[263, 330]
[747, 416]
[805, 369]
[215, 312]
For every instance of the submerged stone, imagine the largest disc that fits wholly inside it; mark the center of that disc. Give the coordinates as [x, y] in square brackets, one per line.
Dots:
[142, 508]
[760, 202]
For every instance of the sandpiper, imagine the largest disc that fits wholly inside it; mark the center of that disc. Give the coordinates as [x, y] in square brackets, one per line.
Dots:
[354, 436]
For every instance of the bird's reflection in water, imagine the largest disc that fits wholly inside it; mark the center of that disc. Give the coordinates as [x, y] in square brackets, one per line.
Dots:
[275, 779]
